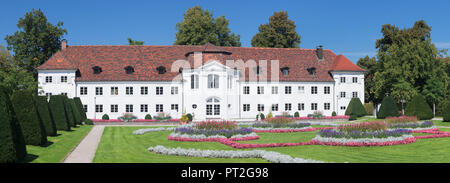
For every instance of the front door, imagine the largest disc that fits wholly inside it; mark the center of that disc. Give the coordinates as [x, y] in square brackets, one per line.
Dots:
[212, 108]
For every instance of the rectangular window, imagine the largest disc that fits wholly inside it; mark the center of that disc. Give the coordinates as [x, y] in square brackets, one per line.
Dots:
[260, 90]
[274, 89]
[144, 90]
[355, 79]
[129, 108]
[326, 106]
[48, 79]
[194, 81]
[64, 93]
[129, 90]
[174, 90]
[114, 108]
[213, 81]
[301, 89]
[355, 94]
[48, 95]
[85, 107]
[326, 89]
[274, 107]
[144, 108]
[114, 90]
[216, 109]
[313, 106]
[288, 107]
[342, 95]
[83, 90]
[98, 90]
[98, 108]
[159, 108]
[342, 79]
[246, 107]
[230, 82]
[246, 90]
[313, 89]
[342, 107]
[287, 90]
[63, 79]
[260, 107]
[301, 106]
[174, 107]
[159, 90]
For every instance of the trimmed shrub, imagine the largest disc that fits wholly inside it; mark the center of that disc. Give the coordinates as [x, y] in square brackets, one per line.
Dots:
[12, 142]
[270, 115]
[88, 122]
[296, 115]
[76, 113]
[148, 116]
[80, 108]
[257, 117]
[355, 107]
[369, 108]
[262, 117]
[105, 117]
[46, 116]
[59, 113]
[387, 108]
[69, 112]
[26, 113]
[189, 115]
[419, 107]
[446, 113]
[353, 117]
[333, 113]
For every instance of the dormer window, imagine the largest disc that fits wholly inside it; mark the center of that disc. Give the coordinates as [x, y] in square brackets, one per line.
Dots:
[285, 71]
[129, 70]
[161, 70]
[97, 69]
[78, 73]
[312, 71]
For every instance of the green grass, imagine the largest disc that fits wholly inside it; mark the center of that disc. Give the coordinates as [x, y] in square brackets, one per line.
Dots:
[58, 147]
[118, 145]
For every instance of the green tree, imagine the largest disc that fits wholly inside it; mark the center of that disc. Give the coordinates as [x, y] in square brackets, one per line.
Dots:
[436, 85]
[46, 117]
[80, 108]
[13, 77]
[134, 42]
[419, 107]
[59, 113]
[371, 65]
[199, 27]
[35, 41]
[387, 108]
[278, 33]
[355, 107]
[402, 92]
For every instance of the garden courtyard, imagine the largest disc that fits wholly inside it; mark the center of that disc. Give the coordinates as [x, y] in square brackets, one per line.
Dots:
[119, 144]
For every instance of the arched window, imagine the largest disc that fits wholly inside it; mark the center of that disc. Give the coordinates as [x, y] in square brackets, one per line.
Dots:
[129, 70]
[213, 81]
[161, 69]
[194, 81]
[97, 69]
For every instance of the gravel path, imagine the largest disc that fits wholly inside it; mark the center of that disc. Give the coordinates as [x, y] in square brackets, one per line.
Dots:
[85, 151]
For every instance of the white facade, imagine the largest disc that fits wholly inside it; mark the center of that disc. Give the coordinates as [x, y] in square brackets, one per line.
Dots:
[219, 94]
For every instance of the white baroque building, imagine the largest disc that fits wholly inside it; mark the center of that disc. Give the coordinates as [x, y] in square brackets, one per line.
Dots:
[207, 81]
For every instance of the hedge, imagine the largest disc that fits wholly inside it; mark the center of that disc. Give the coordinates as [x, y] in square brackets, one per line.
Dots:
[59, 113]
[388, 108]
[105, 117]
[32, 127]
[69, 112]
[80, 108]
[12, 142]
[369, 108]
[76, 113]
[355, 107]
[446, 114]
[148, 116]
[420, 108]
[46, 117]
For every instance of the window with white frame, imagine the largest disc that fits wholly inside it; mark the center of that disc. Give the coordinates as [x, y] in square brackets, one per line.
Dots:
[342, 94]
[159, 90]
[287, 90]
[129, 90]
[129, 108]
[313, 106]
[230, 81]
[98, 108]
[144, 107]
[326, 106]
[194, 81]
[342, 79]
[301, 89]
[114, 90]
[343, 107]
[301, 106]
[174, 90]
[85, 107]
[260, 89]
[83, 90]
[64, 93]
[355, 94]
[274, 89]
[261, 107]
[355, 79]
[63, 79]
[144, 90]
[48, 79]
[98, 90]
[246, 107]
[326, 90]
[174, 107]
[313, 89]
[246, 90]
[274, 107]
[159, 108]
[114, 108]
[288, 107]
[213, 81]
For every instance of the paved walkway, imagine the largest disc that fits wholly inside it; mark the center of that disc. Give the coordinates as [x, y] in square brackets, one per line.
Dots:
[85, 151]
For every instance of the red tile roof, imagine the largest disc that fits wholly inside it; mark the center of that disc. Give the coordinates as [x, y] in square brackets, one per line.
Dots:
[145, 60]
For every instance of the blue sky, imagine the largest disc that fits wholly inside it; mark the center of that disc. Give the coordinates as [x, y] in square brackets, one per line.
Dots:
[346, 27]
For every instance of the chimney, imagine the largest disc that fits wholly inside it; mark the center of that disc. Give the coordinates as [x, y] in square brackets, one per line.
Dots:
[319, 52]
[63, 44]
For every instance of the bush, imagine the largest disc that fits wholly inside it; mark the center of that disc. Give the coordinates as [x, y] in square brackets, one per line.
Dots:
[127, 117]
[59, 113]
[12, 142]
[279, 120]
[270, 115]
[369, 108]
[148, 116]
[355, 107]
[69, 112]
[80, 108]
[105, 117]
[163, 116]
[257, 117]
[446, 113]
[317, 115]
[189, 115]
[262, 117]
[184, 118]
[353, 117]
[26, 113]
[388, 108]
[88, 122]
[334, 113]
[419, 107]
[46, 117]
[296, 115]
[75, 111]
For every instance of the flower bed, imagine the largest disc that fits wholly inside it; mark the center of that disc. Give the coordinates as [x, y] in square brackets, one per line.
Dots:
[325, 117]
[413, 125]
[145, 120]
[435, 131]
[224, 132]
[214, 138]
[146, 130]
[283, 130]
[106, 121]
[373, 142]
[400, 119]
[332, 133]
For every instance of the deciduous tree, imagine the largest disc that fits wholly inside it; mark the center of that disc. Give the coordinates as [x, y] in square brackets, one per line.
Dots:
[278, 33]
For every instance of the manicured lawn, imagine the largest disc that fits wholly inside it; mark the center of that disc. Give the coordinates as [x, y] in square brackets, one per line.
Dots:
[118, 144]
[59, 146]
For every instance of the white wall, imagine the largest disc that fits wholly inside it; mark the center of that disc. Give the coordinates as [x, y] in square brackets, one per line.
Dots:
[56, 87]
[349, 87]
